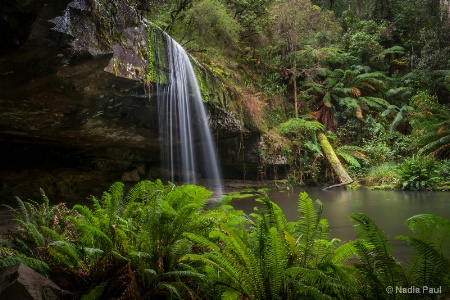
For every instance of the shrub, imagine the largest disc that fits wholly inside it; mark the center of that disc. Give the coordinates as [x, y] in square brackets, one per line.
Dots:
[419, 173]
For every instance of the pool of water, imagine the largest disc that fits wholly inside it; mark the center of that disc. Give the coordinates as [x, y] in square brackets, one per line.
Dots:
[389, 209]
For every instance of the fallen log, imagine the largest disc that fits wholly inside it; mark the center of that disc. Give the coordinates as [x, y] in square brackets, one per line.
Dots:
[332, 158]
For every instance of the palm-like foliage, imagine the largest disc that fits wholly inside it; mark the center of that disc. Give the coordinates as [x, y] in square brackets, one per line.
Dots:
[435, 129]
[348, 90]
[351, 154]
[401, 115]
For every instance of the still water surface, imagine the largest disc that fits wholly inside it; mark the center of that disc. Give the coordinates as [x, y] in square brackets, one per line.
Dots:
[389, 209]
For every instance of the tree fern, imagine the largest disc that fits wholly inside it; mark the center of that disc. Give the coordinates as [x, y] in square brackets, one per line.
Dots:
[392, 50]
[433, 125]
[351, 154]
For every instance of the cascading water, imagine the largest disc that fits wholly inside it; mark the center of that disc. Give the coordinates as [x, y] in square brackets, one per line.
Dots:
[187, 147]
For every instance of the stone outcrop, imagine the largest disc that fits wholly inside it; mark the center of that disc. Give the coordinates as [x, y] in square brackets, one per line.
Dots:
[22, 282]
[77, 110]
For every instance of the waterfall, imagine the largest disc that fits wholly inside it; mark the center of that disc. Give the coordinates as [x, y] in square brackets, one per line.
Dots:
[187, 149]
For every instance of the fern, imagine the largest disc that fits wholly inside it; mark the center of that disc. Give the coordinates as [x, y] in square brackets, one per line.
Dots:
[36, 264]
[308, 226]
[68, 251]
[400, 117]
[430, 264]
[374, 250]
[393, 50]
[320, 285]
[399, 92]
[351, 154]
[266, 262]
[96, 292]
[435, 123]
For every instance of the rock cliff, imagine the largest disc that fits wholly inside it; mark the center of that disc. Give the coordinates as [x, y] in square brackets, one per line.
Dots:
[77, 112]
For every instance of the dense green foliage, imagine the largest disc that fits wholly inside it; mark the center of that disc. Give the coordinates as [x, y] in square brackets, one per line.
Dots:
[127, 243]
[160, 242]
[375, 74]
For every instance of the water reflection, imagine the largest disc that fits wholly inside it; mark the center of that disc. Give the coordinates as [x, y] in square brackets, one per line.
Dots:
[389, 209]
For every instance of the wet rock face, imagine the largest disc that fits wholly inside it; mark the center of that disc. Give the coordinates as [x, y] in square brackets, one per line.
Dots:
[76, 113]
[22, 282]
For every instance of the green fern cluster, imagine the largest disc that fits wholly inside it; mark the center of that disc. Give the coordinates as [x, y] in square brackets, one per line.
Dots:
[138, 233]
[429, 265]
[275, 259]
[159, 242]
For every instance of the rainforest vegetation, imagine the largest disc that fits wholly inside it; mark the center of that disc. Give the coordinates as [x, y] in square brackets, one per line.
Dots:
[168, 242]
[370, 78]
[371, 75]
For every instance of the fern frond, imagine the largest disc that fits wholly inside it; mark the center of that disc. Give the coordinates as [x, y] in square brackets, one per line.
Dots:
[91, 235]
[164, 286]
[374, 102]
[292, 245]
[375, 252]
[431, 267]
[430, 264]
[275, 259]
[68, 250]
[343, 253]
[52, 234]
[393, 50]
[24, 210]
[399, 92]
[36, 264]
[350, 159]
[181, 274]
[96, 292]
[317, 284]
[92, 252]
[231, 294]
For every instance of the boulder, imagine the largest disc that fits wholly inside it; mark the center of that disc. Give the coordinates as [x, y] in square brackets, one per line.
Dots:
[20, 282]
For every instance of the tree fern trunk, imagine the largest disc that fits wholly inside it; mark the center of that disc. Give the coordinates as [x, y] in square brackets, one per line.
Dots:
[340, 171]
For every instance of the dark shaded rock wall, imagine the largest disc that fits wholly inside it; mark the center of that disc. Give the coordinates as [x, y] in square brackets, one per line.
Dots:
[24, 283]
[76, 114]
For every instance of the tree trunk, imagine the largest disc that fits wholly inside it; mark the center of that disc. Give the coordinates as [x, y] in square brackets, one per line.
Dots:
[294, 68]
[344, 178]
